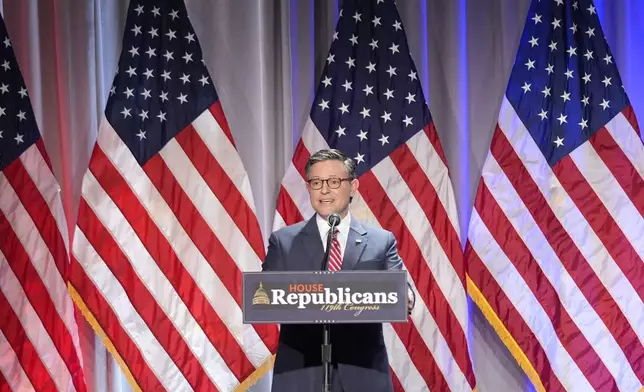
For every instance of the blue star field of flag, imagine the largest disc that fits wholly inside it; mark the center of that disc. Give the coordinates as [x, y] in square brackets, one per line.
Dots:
[162, 84]
[370, 100]
[564, 84]
[18, 127]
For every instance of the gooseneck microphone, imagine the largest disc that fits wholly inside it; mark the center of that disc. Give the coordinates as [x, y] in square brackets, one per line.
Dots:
[333, 220]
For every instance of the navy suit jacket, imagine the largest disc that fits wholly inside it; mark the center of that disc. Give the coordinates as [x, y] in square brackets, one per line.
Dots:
[358, 350]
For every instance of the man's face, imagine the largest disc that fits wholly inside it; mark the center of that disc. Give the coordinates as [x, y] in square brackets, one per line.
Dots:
[326, 200]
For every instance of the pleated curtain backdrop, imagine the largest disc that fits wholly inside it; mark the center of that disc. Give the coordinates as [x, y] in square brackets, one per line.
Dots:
[265, 57]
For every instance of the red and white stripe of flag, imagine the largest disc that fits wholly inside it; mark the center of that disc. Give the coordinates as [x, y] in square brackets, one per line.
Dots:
[160, 251]
[556, 254]
[39, 344]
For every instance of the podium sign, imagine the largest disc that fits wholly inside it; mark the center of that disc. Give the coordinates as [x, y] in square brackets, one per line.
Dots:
[290, 297]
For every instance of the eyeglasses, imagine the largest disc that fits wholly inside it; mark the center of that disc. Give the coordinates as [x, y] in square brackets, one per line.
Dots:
[332, 183]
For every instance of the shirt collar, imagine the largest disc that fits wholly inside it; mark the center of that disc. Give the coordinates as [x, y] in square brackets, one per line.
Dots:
[343, 227]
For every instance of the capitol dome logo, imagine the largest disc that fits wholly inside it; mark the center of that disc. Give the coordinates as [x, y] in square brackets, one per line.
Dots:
[261, 296]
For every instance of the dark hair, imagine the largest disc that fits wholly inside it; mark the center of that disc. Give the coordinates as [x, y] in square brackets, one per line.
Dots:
[332, 155]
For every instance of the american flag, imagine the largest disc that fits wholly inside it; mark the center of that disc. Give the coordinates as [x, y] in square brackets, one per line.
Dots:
[370, 105]
[39, 345]
[167, 221]
[555, 244]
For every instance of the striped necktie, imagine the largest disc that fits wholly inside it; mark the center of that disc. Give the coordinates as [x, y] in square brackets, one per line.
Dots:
[335, 255]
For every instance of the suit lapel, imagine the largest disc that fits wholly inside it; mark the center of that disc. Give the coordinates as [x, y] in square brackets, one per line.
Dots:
[356, 243]
[312, 243]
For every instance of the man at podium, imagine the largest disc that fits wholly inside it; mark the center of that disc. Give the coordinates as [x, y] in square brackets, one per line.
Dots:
[359, 356]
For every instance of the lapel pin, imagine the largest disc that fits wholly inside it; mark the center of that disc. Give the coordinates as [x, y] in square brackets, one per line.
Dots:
[358, 241]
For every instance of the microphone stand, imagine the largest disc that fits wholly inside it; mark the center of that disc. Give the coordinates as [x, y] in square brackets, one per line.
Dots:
[326, 342]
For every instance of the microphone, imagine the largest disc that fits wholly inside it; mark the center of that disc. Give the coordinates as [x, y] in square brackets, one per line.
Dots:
[333, 220]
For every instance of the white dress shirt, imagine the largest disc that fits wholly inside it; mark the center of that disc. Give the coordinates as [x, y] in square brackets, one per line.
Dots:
[343, 228]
